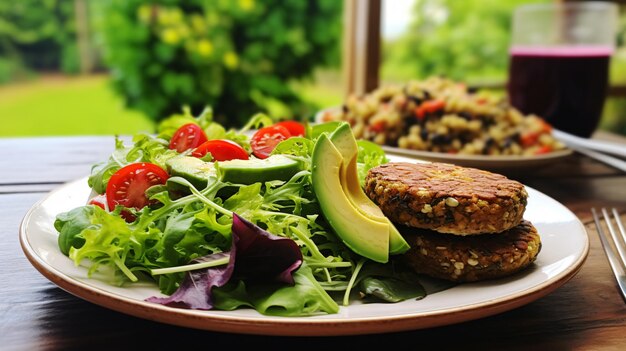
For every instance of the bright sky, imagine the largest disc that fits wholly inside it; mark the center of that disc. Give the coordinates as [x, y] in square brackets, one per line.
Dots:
[396, 17]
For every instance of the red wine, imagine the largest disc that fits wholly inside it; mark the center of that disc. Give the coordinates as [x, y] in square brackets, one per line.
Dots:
[565, 85]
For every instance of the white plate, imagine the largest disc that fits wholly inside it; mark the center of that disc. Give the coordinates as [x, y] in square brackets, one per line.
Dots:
[495, 163]
[565, 247]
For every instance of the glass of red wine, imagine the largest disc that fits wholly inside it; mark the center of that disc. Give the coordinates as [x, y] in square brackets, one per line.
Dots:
[559, 62]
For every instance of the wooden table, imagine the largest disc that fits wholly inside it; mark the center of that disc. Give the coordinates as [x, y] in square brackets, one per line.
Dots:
[584, 314]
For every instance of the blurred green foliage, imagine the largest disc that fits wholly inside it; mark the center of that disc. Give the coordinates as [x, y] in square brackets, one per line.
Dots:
[237, 56]
[36, 35]
[464, 40]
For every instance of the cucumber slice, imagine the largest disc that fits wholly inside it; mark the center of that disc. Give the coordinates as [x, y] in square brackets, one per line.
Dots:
[196, 171]
[275, 167]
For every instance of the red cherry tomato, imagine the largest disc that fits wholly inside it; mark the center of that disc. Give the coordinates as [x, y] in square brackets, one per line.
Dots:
[529, 139]
[189, 136]
[127, 186]
[430, 106]
[294, 128]
[266, 139]
[99, 200]
[221, 150]
[543, 150]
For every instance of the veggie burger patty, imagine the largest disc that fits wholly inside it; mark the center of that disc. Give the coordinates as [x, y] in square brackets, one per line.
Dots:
[446, 198]
[472, 258]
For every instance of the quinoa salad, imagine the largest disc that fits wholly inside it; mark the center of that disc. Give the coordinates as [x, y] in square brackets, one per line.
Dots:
[441, 115]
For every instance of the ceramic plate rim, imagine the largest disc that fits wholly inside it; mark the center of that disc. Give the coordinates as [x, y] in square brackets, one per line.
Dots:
[284, 326]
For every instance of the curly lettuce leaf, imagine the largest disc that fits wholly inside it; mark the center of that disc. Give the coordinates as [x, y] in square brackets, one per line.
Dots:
[168, 126]
[370, 155]
[111, 242]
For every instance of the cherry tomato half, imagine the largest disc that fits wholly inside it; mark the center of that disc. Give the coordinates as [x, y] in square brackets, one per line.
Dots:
[189, 136]
[294, 128]
[127, 186]
[99, 200]
[221, 150]
[266, 139]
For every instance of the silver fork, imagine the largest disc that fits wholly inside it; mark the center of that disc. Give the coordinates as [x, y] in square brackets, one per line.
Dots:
[619, 243]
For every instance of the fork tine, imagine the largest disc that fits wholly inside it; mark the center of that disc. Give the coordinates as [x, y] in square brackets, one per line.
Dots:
[616, 266]
[619, 224]
[617, 241]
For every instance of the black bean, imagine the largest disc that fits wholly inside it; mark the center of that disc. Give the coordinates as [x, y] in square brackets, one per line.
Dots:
[465, 138]
[440, 139]
[416, 99]
[465, 115]
[487, 122]
[514, 137]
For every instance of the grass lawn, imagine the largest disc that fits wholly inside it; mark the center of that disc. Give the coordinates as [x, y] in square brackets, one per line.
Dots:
[61, 105]
[57, 105]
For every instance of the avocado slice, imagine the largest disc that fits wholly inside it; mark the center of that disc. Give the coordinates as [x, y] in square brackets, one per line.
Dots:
[364, 236]
[275, 167]
[344, 141]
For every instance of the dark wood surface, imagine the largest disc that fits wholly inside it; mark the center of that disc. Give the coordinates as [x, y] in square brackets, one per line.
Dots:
[586, 313]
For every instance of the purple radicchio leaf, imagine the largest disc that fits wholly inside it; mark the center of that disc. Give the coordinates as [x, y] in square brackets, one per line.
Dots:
[255, 255]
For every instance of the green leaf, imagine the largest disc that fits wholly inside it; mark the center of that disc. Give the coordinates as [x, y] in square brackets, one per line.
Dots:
[327, 127]
[390, 282]
[305, 298]
[391, 289]
[370, 155]
[176, 229]
[70, 225]
[296, 146]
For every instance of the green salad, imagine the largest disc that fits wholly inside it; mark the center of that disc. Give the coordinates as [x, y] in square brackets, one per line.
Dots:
[271, 217]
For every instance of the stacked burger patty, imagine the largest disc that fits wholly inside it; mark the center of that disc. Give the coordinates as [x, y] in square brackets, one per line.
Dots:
[463, 224]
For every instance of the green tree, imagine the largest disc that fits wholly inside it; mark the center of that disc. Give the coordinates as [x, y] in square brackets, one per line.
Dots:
[36, 35]
[235, 56]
